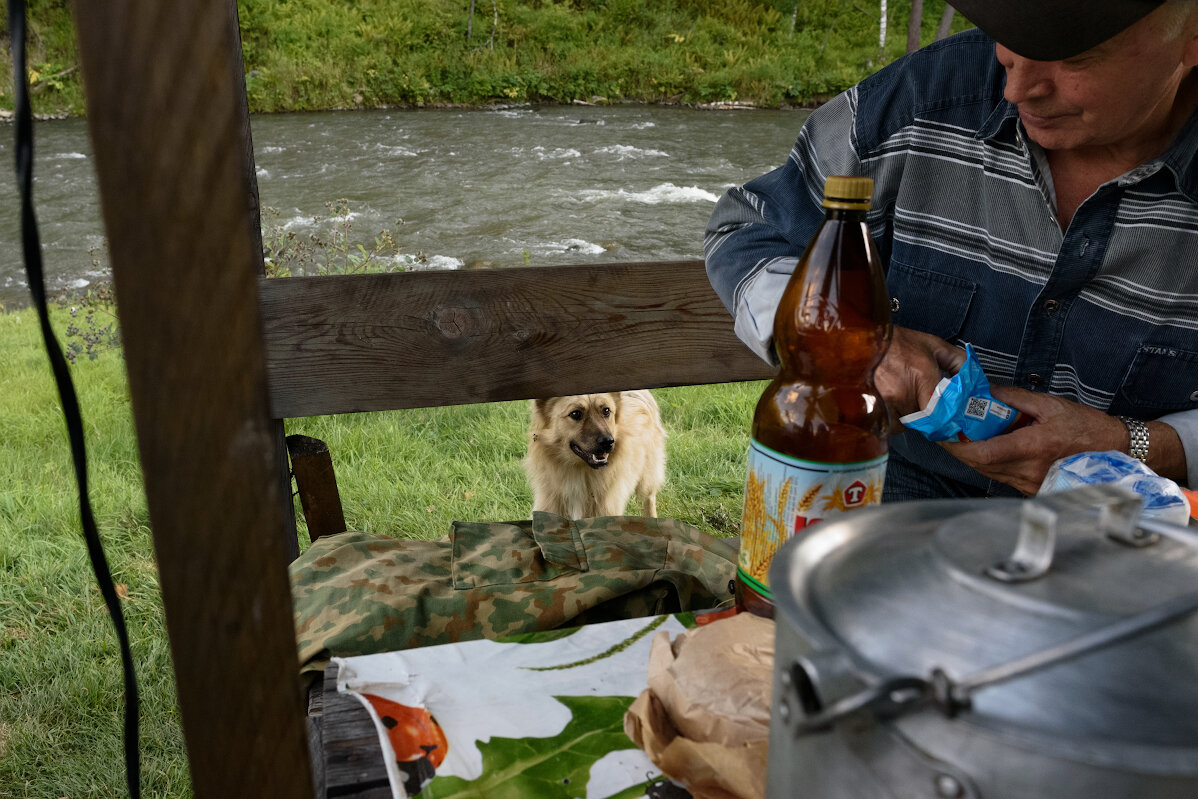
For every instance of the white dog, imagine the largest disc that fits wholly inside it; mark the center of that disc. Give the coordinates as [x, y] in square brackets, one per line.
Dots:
[589, 453]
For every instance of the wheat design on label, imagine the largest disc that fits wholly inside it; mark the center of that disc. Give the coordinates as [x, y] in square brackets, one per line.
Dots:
[762, 533]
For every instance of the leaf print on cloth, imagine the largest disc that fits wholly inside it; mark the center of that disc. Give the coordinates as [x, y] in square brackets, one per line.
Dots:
[485, 692]
[548, 768]
[620, 647]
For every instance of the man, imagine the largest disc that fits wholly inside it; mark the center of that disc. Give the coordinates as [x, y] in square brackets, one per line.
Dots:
[1036, 197]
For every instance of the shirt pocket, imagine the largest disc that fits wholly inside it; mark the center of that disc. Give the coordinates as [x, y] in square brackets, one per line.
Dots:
[1161, 378]
[928, 301]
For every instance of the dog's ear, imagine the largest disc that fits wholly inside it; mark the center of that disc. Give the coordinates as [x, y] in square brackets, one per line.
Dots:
[539, 405]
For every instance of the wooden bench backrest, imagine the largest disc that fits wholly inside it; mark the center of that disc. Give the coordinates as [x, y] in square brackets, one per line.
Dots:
[218, 355]
[383, 342]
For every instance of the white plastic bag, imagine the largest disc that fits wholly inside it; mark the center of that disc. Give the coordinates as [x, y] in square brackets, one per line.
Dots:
[1162, 497]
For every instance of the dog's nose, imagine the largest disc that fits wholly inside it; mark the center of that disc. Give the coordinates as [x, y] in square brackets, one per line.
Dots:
[605, 443]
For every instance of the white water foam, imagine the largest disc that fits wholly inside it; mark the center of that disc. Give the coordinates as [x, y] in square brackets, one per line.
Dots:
[68, 157]
[299, 221]
[430, 263]
[661, 193]
[513, 113]
[542, 154]
[270, 149]
[311, 221]
[624, 152]
[396, 151]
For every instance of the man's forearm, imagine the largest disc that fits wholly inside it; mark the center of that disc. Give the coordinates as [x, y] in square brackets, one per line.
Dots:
[1173, 447]
[1166, 455]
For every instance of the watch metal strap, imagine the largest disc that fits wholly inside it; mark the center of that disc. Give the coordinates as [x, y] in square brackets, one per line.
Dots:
[1138, 431]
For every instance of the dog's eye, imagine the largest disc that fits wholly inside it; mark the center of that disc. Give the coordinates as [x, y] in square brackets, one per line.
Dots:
[607, 412]
[576, 414]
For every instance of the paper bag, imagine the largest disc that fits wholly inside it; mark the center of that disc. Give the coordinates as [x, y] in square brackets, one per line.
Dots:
[704, 719]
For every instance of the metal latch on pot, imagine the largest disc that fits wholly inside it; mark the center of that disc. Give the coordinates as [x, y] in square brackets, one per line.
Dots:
[1118, 511]
[896, 696]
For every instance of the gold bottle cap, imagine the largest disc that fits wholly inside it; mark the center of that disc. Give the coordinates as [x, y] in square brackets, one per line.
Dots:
[850, 193]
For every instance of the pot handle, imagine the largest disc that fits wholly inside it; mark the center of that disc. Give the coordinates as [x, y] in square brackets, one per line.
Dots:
[1118, 518]
[898, 695]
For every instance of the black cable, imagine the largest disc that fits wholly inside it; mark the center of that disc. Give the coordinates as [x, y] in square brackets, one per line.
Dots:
[32, 248]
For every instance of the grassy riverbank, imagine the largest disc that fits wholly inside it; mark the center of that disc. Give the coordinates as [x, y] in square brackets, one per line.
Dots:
[323, 54]
[405, 473]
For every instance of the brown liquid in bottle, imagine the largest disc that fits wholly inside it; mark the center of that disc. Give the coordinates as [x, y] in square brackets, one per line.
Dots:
[820, 431]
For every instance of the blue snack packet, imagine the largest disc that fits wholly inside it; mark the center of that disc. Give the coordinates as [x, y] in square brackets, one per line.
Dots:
[961, 408]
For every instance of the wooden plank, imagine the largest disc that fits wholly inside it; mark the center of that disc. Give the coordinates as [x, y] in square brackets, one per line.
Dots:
[316, 734]
[164, 88]
[377, 342]
[353, 765]
[317, 485]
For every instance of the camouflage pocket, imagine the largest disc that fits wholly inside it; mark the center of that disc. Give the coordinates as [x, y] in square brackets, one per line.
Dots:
[507, 553]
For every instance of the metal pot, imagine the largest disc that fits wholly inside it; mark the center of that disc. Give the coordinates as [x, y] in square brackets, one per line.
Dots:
[987, 648]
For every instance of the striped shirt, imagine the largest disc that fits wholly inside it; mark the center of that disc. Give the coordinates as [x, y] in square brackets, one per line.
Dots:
[1104, 313]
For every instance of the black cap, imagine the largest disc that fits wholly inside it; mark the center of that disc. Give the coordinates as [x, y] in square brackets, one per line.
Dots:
[1051, 30]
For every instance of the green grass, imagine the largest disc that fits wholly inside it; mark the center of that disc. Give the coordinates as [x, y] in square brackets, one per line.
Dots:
[404, 473]
[322, 54]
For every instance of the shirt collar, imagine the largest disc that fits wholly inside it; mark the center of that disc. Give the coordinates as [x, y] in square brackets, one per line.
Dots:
[1181, 158]
[1002, 124]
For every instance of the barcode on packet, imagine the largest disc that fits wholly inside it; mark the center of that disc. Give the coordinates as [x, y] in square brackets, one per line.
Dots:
[976, 407]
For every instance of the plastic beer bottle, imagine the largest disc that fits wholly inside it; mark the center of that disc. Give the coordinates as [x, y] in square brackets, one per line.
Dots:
[820, 431]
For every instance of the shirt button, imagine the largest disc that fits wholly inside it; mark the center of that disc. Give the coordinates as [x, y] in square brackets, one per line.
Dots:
[894, 305]
[1035, 380]
[1050, 306]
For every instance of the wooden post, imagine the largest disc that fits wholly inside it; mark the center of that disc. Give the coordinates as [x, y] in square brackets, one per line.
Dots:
[317, 485]
[167, 118]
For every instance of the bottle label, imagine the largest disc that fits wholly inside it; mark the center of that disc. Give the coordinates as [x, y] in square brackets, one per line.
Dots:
[783, 495]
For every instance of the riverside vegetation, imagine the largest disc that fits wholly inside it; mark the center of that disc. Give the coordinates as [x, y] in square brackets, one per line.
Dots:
[303, 55]
[406, 473]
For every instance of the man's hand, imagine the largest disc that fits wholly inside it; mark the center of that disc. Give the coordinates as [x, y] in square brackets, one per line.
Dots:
[914, 364]
[1021, 458]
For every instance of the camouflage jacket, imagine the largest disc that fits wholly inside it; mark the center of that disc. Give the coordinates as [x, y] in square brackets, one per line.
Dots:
[357, 594]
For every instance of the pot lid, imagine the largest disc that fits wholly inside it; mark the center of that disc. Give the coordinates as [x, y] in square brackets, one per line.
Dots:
[954, 586]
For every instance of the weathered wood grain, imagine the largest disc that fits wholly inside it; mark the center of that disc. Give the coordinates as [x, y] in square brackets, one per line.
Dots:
[167, 115]
[379, 342]
[316, 484]
[353, 764]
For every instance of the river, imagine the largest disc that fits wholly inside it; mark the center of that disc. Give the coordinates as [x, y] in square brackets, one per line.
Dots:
[459, 188]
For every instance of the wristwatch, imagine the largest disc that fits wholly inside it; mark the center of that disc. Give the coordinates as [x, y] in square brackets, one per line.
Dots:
[1138, 431]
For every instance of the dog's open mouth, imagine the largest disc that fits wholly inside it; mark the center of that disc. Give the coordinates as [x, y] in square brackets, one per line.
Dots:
[596, 460]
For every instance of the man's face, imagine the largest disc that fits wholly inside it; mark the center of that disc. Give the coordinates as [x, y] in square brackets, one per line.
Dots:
[1116, 95]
